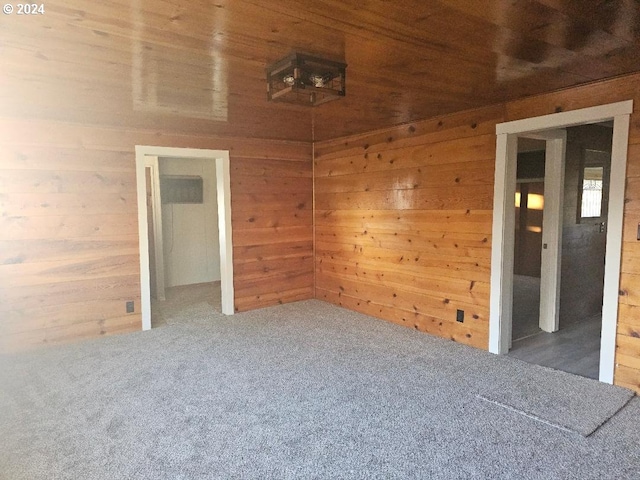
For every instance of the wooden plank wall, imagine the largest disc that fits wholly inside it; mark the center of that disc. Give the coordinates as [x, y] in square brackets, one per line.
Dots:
[404, 215]
[69, 256]
[272, 215]
[403, 223]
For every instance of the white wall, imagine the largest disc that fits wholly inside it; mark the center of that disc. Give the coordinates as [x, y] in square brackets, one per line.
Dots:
[190, 231]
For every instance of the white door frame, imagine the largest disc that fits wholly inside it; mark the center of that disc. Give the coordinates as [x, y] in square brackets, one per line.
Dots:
[556, 142]
[223, 180]
[501, 295]
[151, 162]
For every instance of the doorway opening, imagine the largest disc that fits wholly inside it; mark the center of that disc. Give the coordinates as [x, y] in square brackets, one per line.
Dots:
[552, 129]
[529, 214]
[575, 346]
[184, 215]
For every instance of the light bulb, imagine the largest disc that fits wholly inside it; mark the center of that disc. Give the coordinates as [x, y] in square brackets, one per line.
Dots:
[317, 80]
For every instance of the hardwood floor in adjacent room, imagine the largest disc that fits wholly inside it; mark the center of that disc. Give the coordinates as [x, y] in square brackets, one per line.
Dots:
[575, 349]
[526, 307]
[183, 298]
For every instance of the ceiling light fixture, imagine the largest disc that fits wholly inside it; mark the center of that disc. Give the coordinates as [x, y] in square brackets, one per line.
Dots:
[305, 80]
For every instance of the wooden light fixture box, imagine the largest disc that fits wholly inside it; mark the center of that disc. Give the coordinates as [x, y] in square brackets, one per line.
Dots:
[305, 80]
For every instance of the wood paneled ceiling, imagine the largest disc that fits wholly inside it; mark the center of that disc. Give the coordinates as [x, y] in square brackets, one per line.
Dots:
[199, 66]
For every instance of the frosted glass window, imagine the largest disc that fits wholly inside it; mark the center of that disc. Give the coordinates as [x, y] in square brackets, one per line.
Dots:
[592, 192]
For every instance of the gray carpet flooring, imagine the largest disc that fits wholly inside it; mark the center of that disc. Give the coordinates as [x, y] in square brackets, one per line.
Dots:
[304, 390]
[555, 397]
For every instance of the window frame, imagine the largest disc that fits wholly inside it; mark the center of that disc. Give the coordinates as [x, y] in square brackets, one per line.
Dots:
[606, 170]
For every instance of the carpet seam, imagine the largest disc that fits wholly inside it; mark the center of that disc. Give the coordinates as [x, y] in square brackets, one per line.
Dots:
[530, 415]
[606, 420]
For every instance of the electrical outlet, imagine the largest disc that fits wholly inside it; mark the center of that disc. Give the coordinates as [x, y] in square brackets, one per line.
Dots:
[130, 306]
[460, 316]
